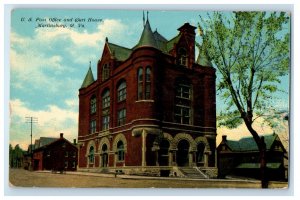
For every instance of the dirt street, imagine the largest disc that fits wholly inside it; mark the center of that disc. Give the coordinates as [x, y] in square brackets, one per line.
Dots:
[24, 178]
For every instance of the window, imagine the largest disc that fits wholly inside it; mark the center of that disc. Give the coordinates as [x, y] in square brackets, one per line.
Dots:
[105, 122]
[105, 109]
[144, 86]
[105, 99]
[66, 154]
[183, 96]
[182, 114]
[92, 126]
[74, 164]
[93, 105]
[91, 154]
[120, 151]
[148, 83]
[121, 117]
[182, 57]
[140, 83]
[66, 164]
[105, 72]
[122, 91]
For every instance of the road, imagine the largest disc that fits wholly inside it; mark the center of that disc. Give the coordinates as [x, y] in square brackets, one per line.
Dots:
[24, 178]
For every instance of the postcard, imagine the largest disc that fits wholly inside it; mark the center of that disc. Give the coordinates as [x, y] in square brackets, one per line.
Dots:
[149, 98]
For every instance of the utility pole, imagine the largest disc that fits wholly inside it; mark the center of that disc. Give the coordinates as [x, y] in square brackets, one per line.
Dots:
[31, 120]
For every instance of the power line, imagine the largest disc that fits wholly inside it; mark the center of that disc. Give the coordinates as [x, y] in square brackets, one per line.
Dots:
[31, 120]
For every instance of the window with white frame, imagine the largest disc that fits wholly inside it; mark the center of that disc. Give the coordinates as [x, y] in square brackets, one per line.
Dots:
[92, 126]
[122, 91]
[105, 72]
[105, 99]
[93, 104]
[183, 102]
[121, 117]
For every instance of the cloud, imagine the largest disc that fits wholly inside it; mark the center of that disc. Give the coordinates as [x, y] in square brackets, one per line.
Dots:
[51, 121]
[49, 52]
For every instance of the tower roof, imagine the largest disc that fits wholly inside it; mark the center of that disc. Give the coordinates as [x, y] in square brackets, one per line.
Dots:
[147, 37]
[89, 78]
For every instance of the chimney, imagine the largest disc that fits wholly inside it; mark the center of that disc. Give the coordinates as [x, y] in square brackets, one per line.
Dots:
[61, 135]
[74, 141]
[224, 138]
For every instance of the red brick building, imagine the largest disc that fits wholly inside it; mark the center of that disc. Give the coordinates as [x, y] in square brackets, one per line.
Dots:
[151, 110]
[56, 154]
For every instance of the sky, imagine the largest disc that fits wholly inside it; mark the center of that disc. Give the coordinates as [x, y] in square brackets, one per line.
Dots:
[48, 64]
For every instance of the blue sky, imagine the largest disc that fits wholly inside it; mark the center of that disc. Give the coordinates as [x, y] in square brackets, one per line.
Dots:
[48, 65]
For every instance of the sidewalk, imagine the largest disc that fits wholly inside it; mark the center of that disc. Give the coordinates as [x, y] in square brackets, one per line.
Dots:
[123, 176]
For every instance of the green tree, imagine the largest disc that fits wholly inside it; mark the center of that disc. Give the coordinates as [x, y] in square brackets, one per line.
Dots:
[251, 52]
[16, 156]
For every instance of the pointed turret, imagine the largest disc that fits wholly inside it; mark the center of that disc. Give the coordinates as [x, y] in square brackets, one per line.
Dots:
[147, 37]
[89, 78]
[203, 58]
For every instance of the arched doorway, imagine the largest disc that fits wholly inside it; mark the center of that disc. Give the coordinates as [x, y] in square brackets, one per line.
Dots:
[200, 154]
[163, 153]
[183, 153]
[104, 156]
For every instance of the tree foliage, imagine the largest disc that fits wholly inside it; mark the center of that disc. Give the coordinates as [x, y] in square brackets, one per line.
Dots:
[16, 156]
[251, 52]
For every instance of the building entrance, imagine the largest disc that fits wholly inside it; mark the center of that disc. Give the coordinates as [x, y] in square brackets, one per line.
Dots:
[182, 155]
[163, 153]
[104, 156]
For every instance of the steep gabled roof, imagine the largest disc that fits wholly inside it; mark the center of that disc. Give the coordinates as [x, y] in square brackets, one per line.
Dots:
[119, 52]
[249, 144]
[43, 141]
[89, 78]
[170, 43]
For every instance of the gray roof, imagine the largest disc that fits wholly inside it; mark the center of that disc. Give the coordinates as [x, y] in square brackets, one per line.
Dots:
[249, 144]
[43, 141]
[147, 37]
[119, 52]
[89, 78]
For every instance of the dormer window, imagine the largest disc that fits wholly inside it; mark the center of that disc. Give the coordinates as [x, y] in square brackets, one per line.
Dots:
[182, 56]
[105, 72]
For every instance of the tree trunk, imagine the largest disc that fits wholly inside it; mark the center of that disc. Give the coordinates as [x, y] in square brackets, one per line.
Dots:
[263, 164]
[260, 141]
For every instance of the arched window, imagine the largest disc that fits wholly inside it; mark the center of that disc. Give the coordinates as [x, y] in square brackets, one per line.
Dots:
[148, 83]
[122, 91]
[93, 104]
[200, 154]
[105, 99]
[140, 83]
[91, 155]
[120, 151]
[105, 72]
[183, 102]
[182, 56]
[105, 109]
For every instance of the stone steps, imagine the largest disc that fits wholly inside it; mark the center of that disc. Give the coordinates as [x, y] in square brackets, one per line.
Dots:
[192, 172]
